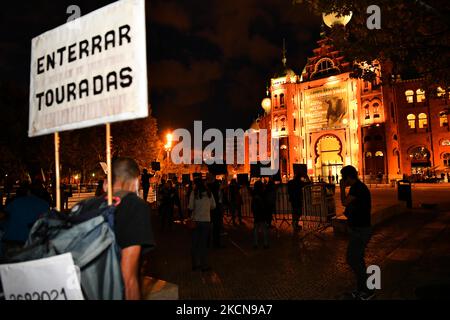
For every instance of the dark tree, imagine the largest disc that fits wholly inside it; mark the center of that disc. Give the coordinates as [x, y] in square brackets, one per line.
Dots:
[137, 139]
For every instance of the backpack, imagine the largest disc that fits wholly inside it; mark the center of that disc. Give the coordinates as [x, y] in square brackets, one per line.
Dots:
[87, 232]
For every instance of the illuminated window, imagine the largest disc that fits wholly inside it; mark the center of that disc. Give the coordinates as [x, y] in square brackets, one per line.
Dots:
[446, 158]
[443, 119]
[379, 154]
[276, 101]
[440, 92]
[282, 100]
[409, 96]
[376, 107]
[420, 95]
[366, 85]
[283, 123]
[367, 112]
[368, 154]
[324, 67]
[411, 121]
[423, 121]
[275, 124]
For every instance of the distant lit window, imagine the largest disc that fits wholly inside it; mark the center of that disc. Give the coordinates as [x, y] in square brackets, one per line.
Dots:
[275, 124]
[423, 121]
[283, 124]
[281, 100]
[324, 67]
[443, 119]
[379, 154]
[368, 154]
[420, 95]
[409, 96]
[376, 108]
[440, 92]
[446, 158]
[366, 112]
[366, 85]
[411, 121]
[276, 101]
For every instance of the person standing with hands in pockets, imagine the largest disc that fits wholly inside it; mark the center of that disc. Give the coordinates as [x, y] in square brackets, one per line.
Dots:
[358, 208]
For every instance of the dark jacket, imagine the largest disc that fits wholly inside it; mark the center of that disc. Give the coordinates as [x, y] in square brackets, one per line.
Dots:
[260, 212]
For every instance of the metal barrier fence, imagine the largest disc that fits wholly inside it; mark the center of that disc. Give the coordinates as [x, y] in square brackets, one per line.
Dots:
[318, 204]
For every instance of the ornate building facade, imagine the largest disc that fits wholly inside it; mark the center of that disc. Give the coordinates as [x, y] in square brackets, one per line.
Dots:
[324, 120]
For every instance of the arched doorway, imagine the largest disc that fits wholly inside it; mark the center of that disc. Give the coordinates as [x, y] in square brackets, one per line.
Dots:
[420, 160]
[329, 160]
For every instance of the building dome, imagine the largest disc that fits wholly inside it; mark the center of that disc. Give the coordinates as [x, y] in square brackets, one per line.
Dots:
[284, 72]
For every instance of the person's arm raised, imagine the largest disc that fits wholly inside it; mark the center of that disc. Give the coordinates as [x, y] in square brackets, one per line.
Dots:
[345, 199]
[130, 270]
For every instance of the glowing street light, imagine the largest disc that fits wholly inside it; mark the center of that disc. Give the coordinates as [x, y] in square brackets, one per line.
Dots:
[266, 105]
[169, 141]
[332, 18]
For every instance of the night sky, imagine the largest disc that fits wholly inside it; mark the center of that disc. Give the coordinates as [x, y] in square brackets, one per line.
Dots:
[208, 60]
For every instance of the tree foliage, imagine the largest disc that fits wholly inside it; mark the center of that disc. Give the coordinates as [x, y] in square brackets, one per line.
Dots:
[414, 36]
[137, 139]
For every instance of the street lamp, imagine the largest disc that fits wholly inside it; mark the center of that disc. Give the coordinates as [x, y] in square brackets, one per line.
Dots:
[266, 104]
[168, 146]
[332, 18]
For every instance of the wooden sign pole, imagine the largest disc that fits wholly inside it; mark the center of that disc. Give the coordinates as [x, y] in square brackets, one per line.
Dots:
[57, 174]
[109, 163]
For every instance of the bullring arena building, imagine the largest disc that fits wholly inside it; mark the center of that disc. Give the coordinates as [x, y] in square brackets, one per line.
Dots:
[324, 120]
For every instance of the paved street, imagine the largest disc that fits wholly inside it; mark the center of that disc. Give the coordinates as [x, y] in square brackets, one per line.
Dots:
[413, 251]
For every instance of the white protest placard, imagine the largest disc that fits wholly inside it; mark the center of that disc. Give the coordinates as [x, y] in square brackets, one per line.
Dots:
[90, 71]
[52, 278]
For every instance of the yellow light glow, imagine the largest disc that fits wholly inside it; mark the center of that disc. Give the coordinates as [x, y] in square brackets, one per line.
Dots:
[331, 19]
[266, 105]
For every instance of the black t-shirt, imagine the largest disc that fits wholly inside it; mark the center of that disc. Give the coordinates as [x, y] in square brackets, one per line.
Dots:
[359, 211]
[133, 223]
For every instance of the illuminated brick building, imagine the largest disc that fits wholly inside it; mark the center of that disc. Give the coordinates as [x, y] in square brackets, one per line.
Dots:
[325, 120]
